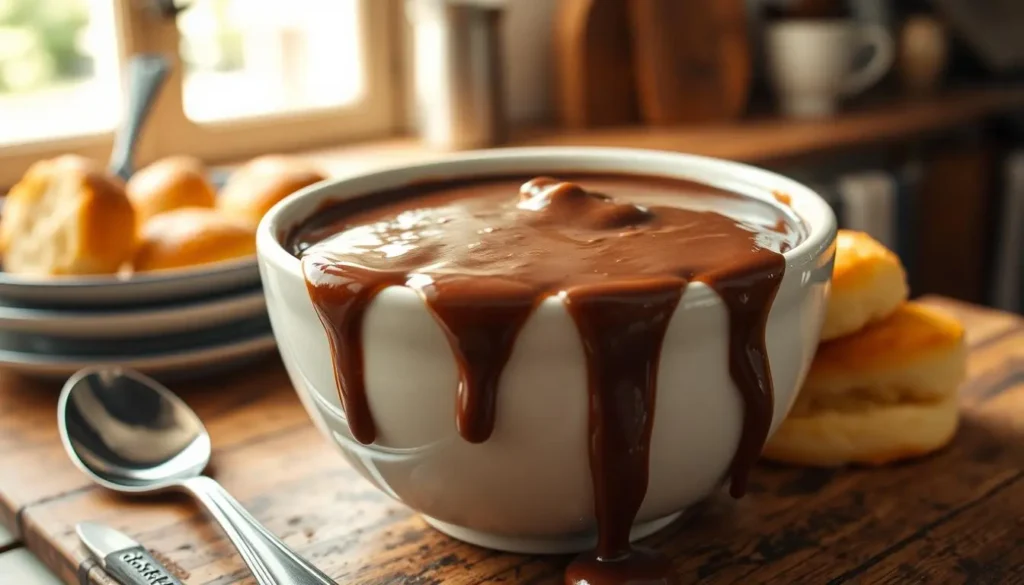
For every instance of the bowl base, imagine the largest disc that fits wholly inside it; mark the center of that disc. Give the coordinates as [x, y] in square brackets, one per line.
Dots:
[542, 546]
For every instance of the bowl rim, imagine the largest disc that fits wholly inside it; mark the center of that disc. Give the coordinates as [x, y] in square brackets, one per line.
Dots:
[805, 205]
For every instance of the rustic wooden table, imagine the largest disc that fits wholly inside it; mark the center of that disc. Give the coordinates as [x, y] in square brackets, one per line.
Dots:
[956, 517]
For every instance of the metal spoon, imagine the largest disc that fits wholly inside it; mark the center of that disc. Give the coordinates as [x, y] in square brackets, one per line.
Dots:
[132, 435]
[146, 75]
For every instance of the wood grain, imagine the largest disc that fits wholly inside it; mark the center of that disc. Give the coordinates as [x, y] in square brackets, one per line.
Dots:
[774, 139]
[953, 231]
[692, 60]
[256, 407]
[594, 74]
[954, 517]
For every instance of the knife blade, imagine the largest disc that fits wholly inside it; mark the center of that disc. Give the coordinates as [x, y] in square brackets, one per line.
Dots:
[122, 558]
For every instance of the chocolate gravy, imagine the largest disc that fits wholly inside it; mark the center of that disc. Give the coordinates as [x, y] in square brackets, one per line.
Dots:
[619, 250]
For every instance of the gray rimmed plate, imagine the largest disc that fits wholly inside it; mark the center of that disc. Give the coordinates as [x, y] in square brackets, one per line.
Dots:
[137, 289]
[134, 321]
[175, 356]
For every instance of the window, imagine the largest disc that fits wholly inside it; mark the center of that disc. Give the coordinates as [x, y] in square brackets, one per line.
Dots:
[249, 76]
[57, 58]
[308, 58]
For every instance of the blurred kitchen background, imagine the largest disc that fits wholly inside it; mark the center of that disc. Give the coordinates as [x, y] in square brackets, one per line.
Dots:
[905, 114]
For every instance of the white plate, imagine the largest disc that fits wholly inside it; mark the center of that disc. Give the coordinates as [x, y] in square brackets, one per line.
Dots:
[183, 364]
[134, 322]
[138, 289]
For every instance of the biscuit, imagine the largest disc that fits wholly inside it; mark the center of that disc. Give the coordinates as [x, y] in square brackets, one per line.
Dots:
[868, 283]
[258, 185]
[170, 183]
[66, 216]
[192, 236]
[917, 353]
[869, 435]
[886, 393]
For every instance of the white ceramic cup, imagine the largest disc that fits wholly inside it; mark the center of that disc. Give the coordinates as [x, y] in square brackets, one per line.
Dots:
[528, 487]
[810, 63]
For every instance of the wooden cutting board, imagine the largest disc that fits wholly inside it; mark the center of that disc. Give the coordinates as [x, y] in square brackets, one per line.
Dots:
[957, 516]
[953, 231]
[692, 58]
[593, 69]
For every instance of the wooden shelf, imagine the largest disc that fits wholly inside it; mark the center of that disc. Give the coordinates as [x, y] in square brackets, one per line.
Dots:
[756, 140]
[772, 139]
[749, 140]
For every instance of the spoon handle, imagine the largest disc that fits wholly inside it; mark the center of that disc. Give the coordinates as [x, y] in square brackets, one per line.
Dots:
[146, 75]
[269, 559]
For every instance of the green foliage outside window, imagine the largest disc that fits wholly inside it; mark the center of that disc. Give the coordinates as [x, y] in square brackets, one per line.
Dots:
[40, 43]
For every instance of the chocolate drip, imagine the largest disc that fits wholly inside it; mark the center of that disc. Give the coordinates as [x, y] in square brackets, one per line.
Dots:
[623, 325]
[483, 260]
[481, 319]
[641, 566]
[350, 290]
[748, 299]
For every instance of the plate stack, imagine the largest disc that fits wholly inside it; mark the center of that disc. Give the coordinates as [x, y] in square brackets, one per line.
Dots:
[172, 325]
[163, 279]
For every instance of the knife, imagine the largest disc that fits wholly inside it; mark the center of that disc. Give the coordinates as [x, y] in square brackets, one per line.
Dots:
[121, 557]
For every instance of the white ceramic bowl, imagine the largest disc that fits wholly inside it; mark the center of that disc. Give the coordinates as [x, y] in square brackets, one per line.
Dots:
[528, 488]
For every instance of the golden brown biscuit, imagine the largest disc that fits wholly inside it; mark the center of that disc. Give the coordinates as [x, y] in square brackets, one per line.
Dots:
[192, 236]
[170, 183]
[885, 393]
[66, 216]
[868, 283]
[917, 353]
[258, 185]
[871, 435]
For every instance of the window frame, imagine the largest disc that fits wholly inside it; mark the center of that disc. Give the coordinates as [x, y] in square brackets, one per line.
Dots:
[168, 131]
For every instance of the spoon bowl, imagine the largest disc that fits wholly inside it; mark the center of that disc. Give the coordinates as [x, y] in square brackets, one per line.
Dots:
[133, 435]
[129, 433]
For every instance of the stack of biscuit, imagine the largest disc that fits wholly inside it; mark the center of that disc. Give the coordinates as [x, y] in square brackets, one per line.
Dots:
[883, 384]
[184, 222]
[70, 216]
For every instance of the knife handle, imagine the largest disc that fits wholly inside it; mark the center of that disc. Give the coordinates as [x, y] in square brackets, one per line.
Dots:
[135, 566]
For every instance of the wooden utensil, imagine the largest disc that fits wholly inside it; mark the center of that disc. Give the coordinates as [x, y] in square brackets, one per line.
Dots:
[594, 64]
[692, 59]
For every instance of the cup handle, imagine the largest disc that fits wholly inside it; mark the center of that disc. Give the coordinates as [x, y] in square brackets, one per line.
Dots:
[879, 39]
